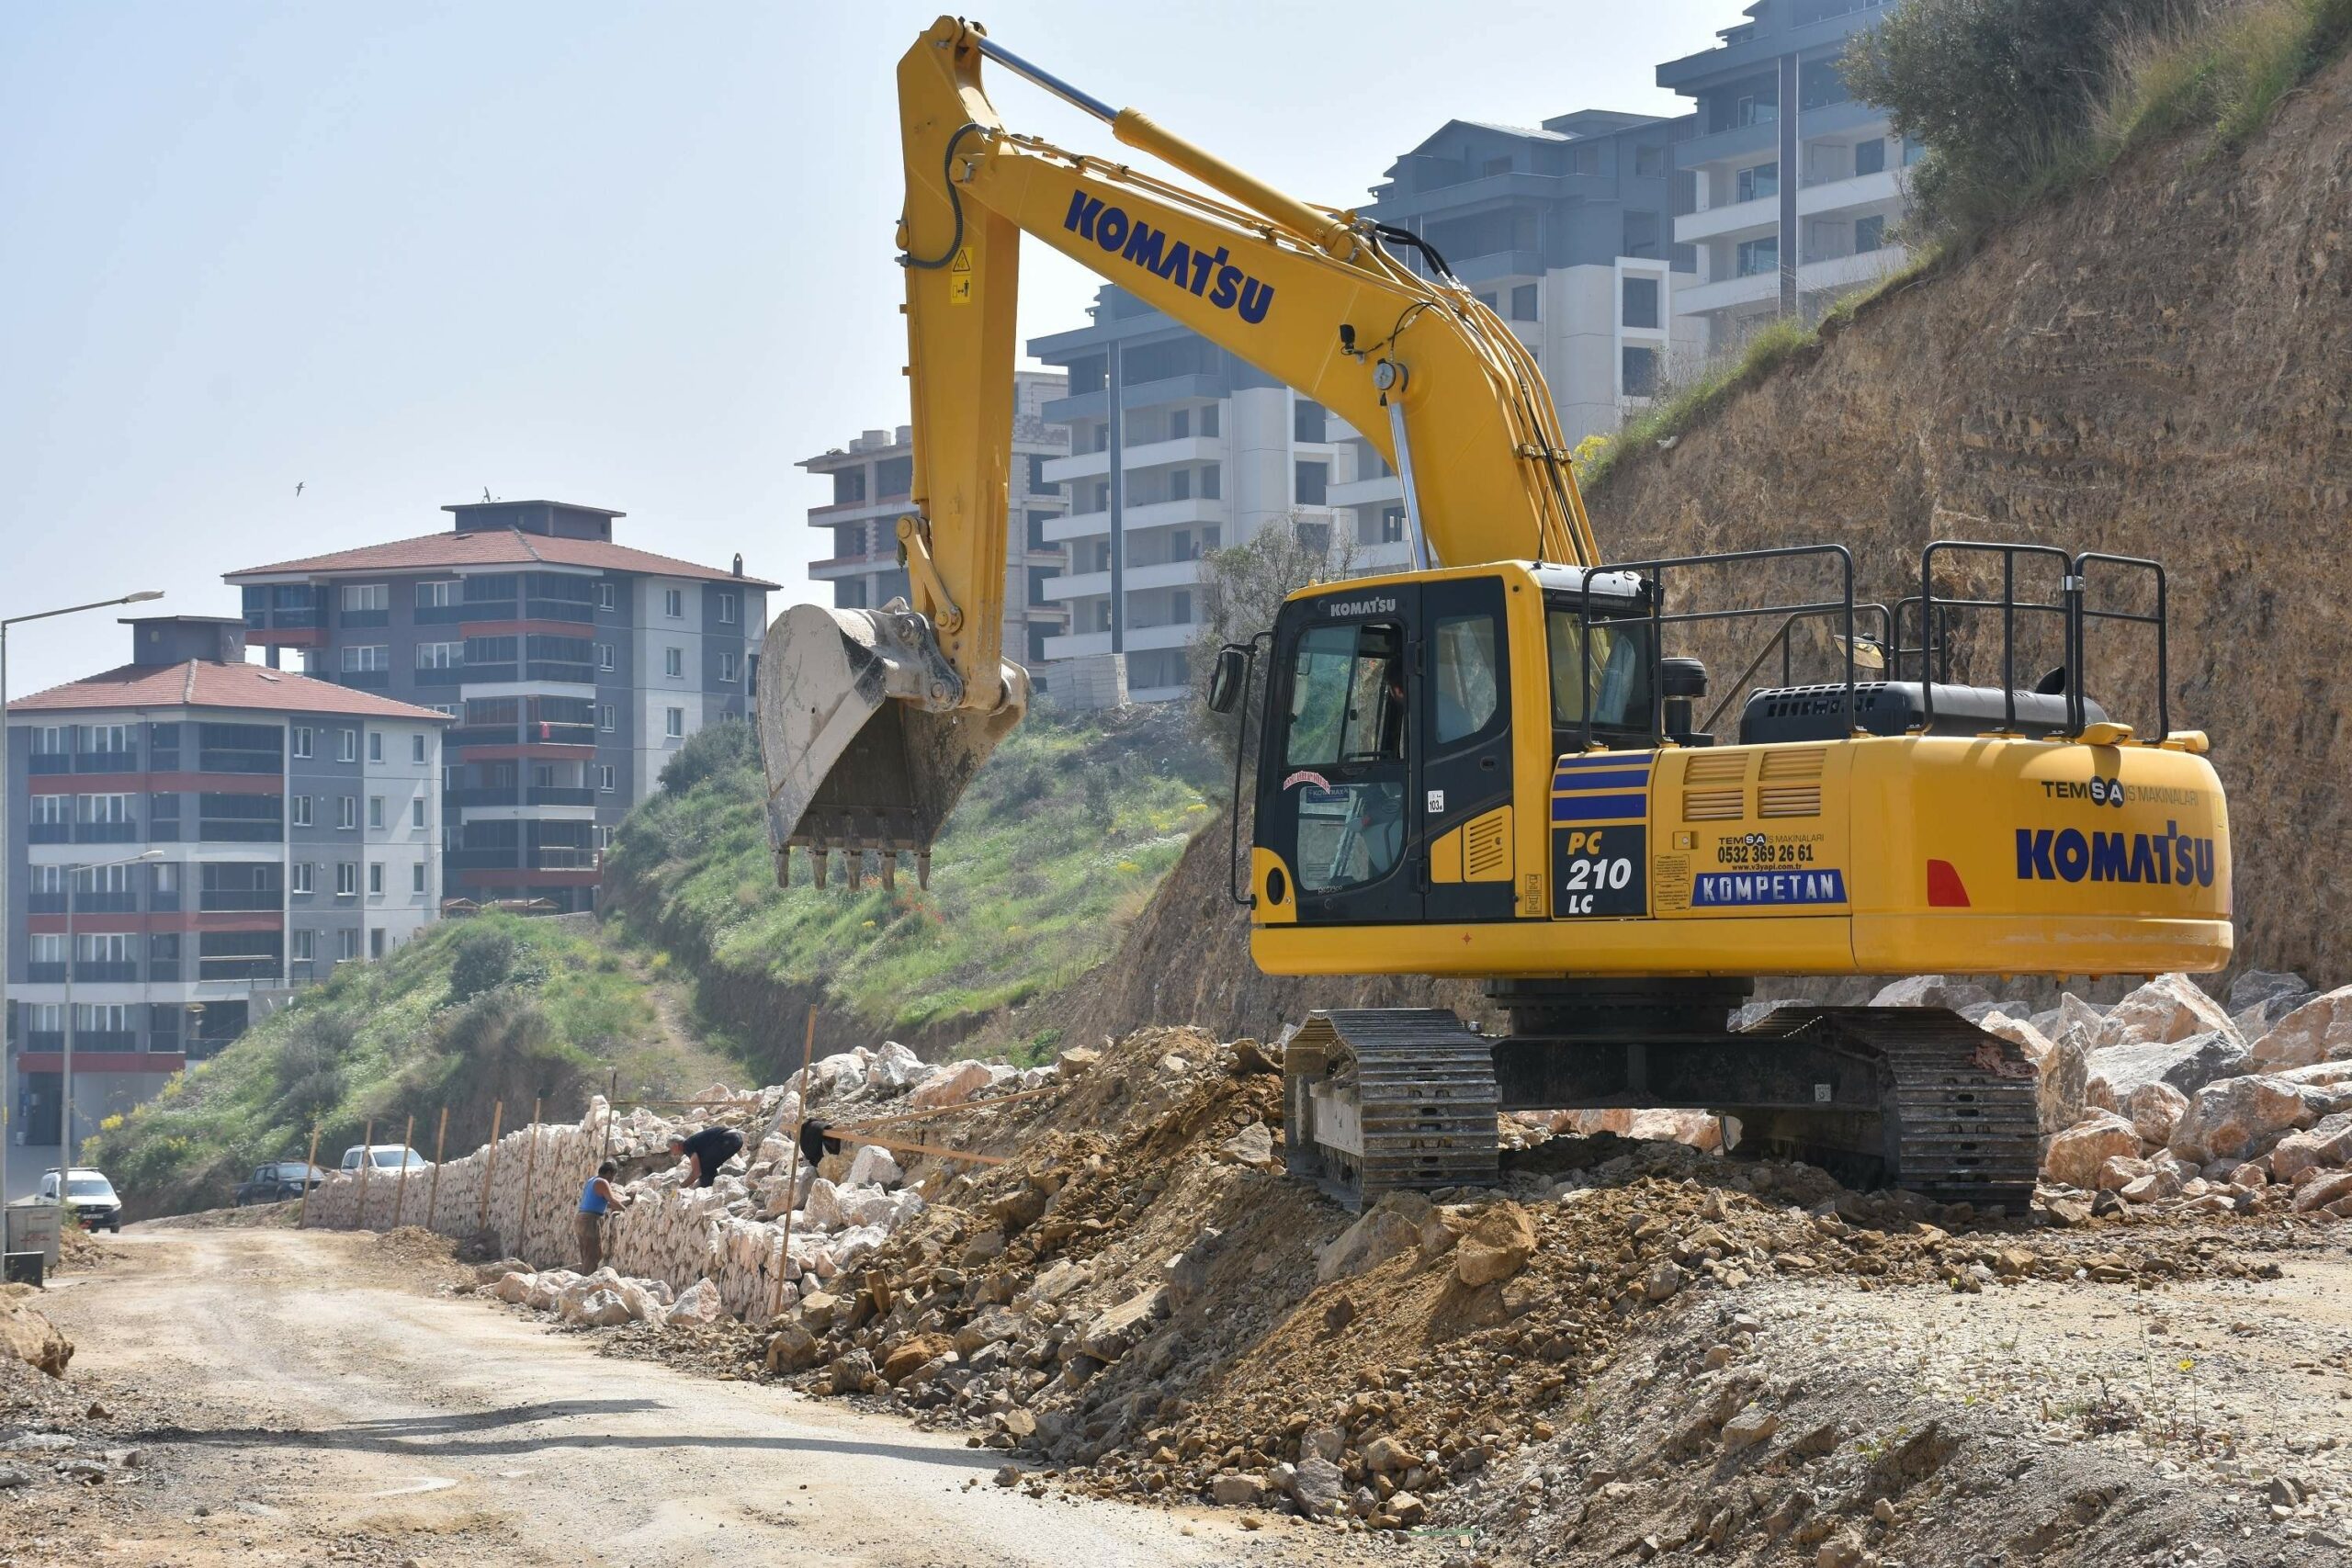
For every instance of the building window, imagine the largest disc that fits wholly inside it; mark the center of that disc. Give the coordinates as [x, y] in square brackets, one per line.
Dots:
[375, 745]
[346, 879]
[1870, 233]
[1640, 234]
[1180, 485]
[1209, 419]
[305, 946]
[604, 656]
[1212, 481]
[346, 746]
[673, 664]
[605, 597]
[416, 878]
[1307, 420]
[302, 870]
[450, 710]
[1755, 182]
[347, 812]
[1522, 302]
[727, 667]
[416, 811]
[300, 806]
[673, 723]
[1649, 163]
[604, 773]
[729, 607]
[1385, 527]
[674, 603]
[350, 942]
[1753, 108]
[436, 595]
[364, 596]
[605, 717]
[1638, 369]
[1757, 256]
[369, 656]
[375, 941]
[1870, 157]
[1641, 302]
[1180, 606]
[375, 879]
[416, 748]
[1313, 481]
[440, 655]
[301, 740]
[375, 812]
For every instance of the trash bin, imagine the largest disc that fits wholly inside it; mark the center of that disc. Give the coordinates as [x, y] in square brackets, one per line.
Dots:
[32, 1227]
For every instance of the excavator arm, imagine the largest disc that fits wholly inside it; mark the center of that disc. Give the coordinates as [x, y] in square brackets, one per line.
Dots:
[871, 722]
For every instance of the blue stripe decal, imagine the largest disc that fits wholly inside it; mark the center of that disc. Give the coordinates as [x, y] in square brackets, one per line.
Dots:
[1600, 808]
[1594, 778]
[1608, 759]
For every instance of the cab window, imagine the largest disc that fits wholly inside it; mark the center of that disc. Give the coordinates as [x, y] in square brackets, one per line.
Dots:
[1347, 696]
[1613, 687]
[1466, 686]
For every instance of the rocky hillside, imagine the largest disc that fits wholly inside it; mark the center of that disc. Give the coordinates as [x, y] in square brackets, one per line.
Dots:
[2161, 366]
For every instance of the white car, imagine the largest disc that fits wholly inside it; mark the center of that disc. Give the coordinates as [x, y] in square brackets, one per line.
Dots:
[390, 1158]
[89, 1196]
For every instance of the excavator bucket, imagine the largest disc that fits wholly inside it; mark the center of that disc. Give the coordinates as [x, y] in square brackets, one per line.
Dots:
[863, 735]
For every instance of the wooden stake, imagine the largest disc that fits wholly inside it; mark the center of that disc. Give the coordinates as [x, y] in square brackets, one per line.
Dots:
[310, 1164]
[611, 1087]
[367, 1158]
[530, 1168]
[792, 1182]
[400, 1188]
[433, 1199]
[490, 1166]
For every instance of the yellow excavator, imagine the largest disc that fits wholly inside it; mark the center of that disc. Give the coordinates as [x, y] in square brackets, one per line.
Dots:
[1494, 765]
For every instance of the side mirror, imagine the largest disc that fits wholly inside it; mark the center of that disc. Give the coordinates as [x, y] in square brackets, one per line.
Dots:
[1227, 680]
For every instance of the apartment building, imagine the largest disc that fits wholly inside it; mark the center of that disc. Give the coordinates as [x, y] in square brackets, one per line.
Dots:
[1565, 231]
[872, 478]
[1794, 185]
[573, 666]
[187, 830]
[1176, 447]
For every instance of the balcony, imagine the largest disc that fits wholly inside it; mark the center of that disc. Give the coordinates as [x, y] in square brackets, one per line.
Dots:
[365, 679]
[45, 973]
[1081, 645]
[106, 762]
[1880, 189]
[1498, 266]
[227, 761]
[87, 903]
[485, 610]
[440, 675]
[1745, 218]
[489, 674]
[45, 903]
[557, 610]
[237, 832]
[50, 833]
[544, 733]
[1192, 512]
[548, 795]
[239, 968]
[480, 735]
[163, 903]
[443, 615]
[1381, 488]
[497, 857]
[222, 900]
[106, 832]
[163, 969]
[284, 620]
[563, 857]
[91, 971]
[365, 618]
[563, 673]
[49, 763]
[1138, 454]
[1724, 294]
[488, 795]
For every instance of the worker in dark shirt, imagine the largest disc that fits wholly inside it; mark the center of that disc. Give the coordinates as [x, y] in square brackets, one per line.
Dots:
[705, 1152]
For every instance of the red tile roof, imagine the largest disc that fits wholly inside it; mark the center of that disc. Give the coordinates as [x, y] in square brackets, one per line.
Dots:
[199, 683]
[497, 547]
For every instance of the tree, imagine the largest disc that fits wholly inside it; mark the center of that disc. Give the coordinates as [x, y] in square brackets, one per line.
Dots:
[1243, 587]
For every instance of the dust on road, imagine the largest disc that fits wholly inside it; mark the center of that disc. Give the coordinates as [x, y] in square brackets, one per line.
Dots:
[302, 1402]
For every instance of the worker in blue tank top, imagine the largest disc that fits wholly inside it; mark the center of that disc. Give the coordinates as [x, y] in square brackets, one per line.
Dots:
[597, 1199]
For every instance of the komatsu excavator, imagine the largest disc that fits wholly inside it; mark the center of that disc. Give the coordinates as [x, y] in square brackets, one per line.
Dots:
[1491, 765]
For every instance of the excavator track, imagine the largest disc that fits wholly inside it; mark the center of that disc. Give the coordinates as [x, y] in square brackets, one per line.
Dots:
[1959, 1120]
[1389, 1098]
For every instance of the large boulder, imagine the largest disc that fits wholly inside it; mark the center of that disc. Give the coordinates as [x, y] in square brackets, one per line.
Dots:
[951, 1085]
[2325, 1144]
[2268, 995]
[1497, 1244]
[893, 1069]
[1114, 1331]
[2077, 1153]
[2168, 1008]
[2188, 1063]
[2235, 1119]
[873, 1166]
[25, 1335]
[1390, 1226]
[2318, 1031]
[2156, 1110]
[699, 1305]
[601, 1308]
[2062, 1068]
[1932, 991]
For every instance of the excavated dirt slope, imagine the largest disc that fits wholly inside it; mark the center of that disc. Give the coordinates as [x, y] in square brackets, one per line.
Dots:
[2160, 366]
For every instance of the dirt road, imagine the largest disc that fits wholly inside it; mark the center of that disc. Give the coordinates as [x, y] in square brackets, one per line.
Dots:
[309, 1405]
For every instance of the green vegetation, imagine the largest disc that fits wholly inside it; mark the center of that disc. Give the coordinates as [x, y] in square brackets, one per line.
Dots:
[1060, 840]
[2018, 100]
[471, 1012]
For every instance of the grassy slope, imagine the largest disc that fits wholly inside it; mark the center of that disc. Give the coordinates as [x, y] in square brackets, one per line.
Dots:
[550, 1010]
[1061, 838]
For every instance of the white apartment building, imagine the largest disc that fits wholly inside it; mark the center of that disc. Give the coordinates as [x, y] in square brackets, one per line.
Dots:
[872, 478]
[1793, 185]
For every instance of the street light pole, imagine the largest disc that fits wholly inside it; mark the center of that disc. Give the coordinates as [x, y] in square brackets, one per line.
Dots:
[8, 853]
[65, 1114]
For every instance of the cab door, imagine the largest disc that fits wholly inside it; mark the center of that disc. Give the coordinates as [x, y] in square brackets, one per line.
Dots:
[1336, 796]
[1462, 756]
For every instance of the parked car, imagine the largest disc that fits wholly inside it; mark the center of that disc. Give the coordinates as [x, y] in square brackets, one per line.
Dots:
[279, 1180]
[89, 1198]
[384, 1157]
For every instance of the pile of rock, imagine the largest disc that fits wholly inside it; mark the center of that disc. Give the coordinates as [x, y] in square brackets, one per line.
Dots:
[721, 1245]
[2187, 1106]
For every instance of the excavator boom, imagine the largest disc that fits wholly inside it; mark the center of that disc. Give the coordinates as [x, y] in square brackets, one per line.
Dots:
[873, 721]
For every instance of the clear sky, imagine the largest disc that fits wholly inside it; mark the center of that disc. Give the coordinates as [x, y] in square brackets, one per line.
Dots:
[634, 255]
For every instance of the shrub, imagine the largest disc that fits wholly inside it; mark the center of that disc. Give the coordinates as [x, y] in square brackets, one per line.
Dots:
[484, 961]
[715, 749]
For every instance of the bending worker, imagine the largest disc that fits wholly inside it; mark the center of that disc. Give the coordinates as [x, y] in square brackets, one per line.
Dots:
[597, 1199]
[705, 1152]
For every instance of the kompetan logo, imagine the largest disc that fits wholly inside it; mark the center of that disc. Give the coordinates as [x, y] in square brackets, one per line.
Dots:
[1307, 776]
